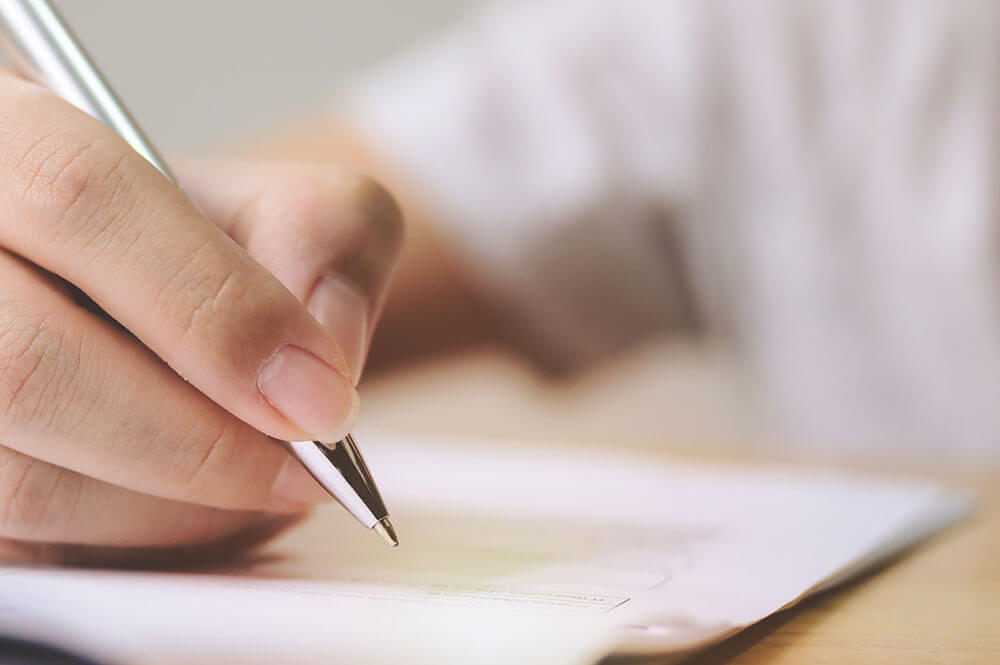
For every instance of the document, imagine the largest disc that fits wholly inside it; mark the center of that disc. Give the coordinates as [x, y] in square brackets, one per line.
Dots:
[508, 554]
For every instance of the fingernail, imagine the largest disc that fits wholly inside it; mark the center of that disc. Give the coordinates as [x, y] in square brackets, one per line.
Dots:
[310, 393]
[294, 484]
[343, 310]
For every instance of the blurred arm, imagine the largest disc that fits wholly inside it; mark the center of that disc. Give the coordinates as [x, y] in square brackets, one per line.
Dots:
[824, 173]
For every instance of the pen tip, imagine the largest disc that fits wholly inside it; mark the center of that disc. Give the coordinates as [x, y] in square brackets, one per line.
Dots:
[384, 528]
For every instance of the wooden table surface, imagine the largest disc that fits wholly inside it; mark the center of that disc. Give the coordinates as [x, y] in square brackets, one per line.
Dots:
[939, 603]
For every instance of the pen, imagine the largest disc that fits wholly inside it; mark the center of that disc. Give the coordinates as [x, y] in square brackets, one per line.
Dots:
[43, 49]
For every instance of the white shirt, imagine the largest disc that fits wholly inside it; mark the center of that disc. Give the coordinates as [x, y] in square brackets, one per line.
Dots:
[814, 183]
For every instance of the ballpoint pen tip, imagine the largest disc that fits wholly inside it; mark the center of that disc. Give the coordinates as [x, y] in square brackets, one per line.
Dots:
[384, 528]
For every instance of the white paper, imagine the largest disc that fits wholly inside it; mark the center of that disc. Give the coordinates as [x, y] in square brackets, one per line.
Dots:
[507, 554]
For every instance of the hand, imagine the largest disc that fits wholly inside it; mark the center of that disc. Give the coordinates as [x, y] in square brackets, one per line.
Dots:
[103, 444]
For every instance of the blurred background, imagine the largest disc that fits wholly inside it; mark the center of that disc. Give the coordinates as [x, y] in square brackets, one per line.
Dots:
[768, 230]
[202, 74]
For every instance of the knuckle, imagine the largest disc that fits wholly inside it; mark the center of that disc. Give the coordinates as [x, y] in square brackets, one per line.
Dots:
[207, 297]
[204, 294]
[201, 451]
[30, 370]
[27, 487]
[222, 310]
[65, 177]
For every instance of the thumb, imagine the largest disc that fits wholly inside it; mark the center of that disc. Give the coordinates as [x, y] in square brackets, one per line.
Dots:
[332, 237]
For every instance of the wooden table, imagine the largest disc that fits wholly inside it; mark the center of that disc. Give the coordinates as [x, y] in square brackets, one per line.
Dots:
[937, 604]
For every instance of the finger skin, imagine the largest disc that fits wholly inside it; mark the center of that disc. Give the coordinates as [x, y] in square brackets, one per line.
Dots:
[303, 221]
[307, 224]
[77, 201]
[43, 503]
[198, 556]
[78, 393]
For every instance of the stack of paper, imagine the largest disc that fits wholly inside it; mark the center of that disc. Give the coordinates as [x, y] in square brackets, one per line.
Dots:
[508, 555]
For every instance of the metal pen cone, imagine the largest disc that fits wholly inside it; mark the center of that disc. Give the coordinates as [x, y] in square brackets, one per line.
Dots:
[384, 528]
[342, 472]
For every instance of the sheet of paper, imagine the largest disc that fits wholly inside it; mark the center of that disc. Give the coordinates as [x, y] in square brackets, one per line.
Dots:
[508, 554]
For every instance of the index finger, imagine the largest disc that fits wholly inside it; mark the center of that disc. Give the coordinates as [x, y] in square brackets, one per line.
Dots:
[79, 202]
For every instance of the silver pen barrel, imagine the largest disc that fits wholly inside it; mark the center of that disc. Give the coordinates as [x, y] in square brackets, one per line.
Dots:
[43, 48]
